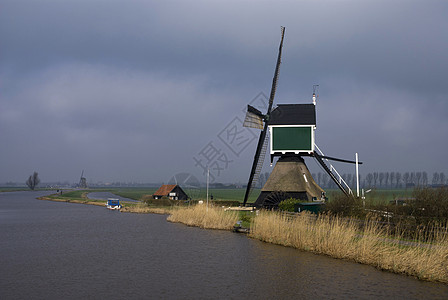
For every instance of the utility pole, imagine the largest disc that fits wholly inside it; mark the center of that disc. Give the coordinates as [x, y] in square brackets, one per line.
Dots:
[357, 175]
[208, 175]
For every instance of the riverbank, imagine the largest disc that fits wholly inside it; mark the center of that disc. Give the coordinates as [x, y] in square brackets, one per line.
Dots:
[204, 217]
[426, 258]
[83, 200]
[328, 235]
[138, 207]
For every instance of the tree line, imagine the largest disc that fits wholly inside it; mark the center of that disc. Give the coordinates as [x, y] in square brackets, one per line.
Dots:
[385, 179]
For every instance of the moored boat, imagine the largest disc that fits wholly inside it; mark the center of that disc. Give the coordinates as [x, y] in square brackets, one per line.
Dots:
[113, 203]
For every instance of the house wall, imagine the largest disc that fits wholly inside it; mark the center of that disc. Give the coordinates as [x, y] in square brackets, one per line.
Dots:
[181, 195]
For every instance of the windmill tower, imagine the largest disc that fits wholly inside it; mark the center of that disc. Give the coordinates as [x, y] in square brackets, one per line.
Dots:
[82, 181]
[291, 137]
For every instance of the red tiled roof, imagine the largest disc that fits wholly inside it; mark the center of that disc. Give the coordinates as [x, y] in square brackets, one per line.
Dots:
[164, 190]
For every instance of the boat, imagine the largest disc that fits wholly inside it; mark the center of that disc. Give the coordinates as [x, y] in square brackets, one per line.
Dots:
[113, 203]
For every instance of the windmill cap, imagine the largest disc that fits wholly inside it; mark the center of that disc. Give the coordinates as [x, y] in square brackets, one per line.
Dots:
[293, 114]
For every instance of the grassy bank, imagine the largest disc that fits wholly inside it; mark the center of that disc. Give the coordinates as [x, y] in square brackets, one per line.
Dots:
[74, 200]
[426, 257]
[80, 196]
[142, 208]
[13, 189]
[201, 216]
[341, 238]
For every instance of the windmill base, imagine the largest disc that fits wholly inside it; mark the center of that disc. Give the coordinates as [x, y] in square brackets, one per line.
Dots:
[290, 178]
[271, 199]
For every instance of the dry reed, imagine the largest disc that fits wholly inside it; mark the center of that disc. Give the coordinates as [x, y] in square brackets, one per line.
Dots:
[341, 238]
[142, 208]
[201, 216]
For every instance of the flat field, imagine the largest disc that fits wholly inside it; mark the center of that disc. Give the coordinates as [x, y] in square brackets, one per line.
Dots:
[375, 196]
[13, 189]
[196, 194]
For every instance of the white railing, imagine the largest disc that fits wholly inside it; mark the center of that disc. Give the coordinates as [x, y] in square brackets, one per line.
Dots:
[340, 179]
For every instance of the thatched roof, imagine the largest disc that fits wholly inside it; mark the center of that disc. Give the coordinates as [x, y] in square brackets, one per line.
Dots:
[292, 175]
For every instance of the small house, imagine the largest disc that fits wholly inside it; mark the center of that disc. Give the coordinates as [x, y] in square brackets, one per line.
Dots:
[170, 191]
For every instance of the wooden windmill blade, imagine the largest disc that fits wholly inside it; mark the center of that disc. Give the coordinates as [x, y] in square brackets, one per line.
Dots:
[254, 118]
[262, 141]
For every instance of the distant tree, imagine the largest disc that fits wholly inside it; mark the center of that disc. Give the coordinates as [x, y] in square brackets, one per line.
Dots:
[325, 178]
[386, 179]
[418, 177]
[33, 181]
[442, 178]
[435, 178]
[349, 178]
[375, 178]
[330, 183]
[406, 178]
[392, 178]
[344, 177]
[412, 178]
[398, 179]
[424, 178]
[381, 178]
[369, 179]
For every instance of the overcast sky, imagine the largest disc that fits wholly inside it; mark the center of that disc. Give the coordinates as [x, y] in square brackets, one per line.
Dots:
[143, 90]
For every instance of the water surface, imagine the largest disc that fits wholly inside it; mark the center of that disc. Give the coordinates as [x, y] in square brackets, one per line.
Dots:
[58, 250]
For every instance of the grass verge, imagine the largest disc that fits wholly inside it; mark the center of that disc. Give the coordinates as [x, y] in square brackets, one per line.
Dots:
[203, 217]
[142, 208]
[341, 238]
[75, 200]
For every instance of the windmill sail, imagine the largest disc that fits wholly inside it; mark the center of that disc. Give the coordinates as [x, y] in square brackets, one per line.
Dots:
[262, 141]
[254, 118]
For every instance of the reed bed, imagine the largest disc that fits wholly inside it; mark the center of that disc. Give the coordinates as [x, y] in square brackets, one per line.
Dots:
[342, 238]
[205, 217]
[142, 208]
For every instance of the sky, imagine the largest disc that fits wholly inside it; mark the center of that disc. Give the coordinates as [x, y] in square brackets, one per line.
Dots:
[139, 91]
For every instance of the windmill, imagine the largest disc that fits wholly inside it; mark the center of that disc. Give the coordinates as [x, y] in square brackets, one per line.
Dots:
[291, 137]
[82, 181]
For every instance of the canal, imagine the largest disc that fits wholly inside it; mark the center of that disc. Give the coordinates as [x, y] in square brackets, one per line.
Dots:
[58, 250]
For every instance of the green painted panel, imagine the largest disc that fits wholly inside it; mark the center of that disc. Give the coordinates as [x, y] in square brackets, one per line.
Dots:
[291, 138]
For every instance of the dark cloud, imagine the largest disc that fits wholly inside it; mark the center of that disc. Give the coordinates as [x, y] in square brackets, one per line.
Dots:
[133, 90]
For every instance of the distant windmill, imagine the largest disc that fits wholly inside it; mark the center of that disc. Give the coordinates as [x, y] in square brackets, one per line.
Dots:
[292, 136]
[82, 181]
